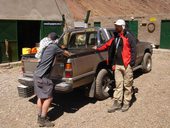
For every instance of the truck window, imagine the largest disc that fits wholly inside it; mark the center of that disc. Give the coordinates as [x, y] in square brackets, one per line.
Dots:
[63, 40]
[83, 40]
[91, 39]
[111, 33]
[77, 40]
[102, 38]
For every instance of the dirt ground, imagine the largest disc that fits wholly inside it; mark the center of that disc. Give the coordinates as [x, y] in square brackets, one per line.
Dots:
[150, 108]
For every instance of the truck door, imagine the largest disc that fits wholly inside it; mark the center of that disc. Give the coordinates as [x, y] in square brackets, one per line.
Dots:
[139, 52]
[85, 59]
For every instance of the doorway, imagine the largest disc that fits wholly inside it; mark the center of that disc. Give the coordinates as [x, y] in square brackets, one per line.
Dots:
[28, 34]
[133, 27]
[165, 34]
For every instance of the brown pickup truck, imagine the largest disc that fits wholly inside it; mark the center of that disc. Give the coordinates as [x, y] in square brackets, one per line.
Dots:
[85, 67]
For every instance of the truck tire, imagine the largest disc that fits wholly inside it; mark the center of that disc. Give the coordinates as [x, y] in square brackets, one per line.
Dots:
[103, 84]
[147, 63]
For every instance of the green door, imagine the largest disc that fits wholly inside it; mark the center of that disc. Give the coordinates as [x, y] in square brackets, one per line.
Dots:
[8, 32]
[165, 34]
[97, 24]
[133, 27]
[50, 26]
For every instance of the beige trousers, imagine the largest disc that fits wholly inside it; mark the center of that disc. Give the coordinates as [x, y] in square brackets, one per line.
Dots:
[124, 81]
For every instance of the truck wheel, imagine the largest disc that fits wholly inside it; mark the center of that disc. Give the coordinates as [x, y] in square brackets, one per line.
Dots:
[147, 63]
[103, 84]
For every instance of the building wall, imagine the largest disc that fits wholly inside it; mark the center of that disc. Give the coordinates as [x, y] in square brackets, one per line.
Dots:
[143, 21]
[18, 34]
[145, 35]
[143, 32]
[29, 11]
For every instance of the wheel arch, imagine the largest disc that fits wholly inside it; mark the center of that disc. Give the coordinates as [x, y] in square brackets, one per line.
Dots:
[100, 66]
[147, 50]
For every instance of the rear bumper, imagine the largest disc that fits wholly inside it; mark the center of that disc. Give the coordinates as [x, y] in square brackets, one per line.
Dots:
[59, 87]
[63, 87]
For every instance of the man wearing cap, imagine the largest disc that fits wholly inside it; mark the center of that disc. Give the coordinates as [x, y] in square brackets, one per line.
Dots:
[43, 85]
[44, 43]
[122, 51]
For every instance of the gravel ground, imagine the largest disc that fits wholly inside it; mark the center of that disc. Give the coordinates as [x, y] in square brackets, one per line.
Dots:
[150, 109]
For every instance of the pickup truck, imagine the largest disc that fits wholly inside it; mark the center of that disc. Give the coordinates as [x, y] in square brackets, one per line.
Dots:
[85, 67]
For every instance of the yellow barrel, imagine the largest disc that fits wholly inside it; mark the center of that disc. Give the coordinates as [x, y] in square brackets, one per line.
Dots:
[26, 51]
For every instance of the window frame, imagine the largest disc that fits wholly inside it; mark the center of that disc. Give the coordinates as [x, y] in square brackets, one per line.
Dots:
[86, 46]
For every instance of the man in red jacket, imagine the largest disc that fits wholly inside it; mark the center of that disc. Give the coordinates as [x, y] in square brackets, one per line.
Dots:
[122, 51]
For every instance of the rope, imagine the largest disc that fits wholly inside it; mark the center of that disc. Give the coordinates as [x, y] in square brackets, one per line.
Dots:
[58, 7]
[65, 24]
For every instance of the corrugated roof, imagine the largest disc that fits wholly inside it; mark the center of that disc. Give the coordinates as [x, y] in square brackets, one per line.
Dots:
[33, 9]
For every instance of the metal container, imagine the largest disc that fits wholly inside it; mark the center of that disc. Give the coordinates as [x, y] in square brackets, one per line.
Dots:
[25, 91]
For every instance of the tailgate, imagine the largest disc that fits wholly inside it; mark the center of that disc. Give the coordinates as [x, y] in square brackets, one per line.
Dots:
[29, 64]
[57, 70]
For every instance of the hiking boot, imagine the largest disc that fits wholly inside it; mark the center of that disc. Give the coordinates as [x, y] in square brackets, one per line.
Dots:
[44, 122]
[39, 119]
[125, 107]
[116, 106]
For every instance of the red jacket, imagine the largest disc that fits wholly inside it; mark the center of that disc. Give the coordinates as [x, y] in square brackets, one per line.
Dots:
[128, 50]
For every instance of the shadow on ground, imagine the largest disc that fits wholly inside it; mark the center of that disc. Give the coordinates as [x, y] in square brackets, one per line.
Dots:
[70, 103]
[73, 101]
[136, 74]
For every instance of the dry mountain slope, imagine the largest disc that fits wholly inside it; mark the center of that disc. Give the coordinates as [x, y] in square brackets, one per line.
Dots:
[111, 8]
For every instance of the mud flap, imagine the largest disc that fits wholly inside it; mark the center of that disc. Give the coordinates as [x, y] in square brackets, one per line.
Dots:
[92, 89]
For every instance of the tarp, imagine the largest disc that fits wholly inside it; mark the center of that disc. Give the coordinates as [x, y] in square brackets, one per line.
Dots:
[33, 9]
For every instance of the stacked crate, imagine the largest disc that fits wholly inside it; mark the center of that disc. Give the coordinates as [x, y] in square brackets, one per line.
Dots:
[25, 91]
